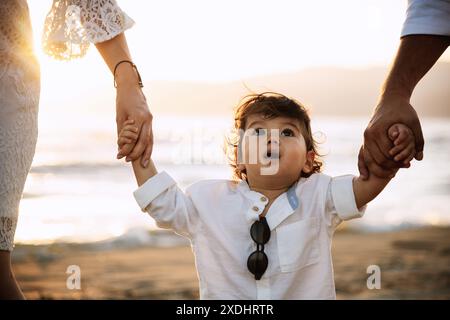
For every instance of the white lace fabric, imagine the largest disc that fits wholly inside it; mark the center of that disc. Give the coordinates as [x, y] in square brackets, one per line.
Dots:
[71, 25]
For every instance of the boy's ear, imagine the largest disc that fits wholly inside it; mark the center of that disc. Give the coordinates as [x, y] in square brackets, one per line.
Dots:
[309, 164]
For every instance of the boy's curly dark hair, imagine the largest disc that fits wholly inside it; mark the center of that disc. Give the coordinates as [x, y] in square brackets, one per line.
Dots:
[270, 105]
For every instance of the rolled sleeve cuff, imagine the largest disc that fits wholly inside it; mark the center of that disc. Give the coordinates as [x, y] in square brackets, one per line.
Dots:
[429, 28]
[427, 17]
[152, 188]
[344, 198]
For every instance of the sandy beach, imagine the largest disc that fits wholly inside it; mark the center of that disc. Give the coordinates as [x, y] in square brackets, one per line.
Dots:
[415, 264]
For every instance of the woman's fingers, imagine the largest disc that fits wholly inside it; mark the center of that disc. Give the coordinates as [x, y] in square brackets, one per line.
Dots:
[145, 138]
[148, 152]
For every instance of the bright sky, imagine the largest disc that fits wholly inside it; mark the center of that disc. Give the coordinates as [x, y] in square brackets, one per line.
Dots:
[224, 40]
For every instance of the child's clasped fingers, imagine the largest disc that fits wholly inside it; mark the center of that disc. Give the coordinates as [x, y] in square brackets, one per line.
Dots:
[405, 153]
[122, 141]
[129, 132]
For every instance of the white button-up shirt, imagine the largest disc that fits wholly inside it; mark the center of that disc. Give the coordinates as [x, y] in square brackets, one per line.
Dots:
[216, 215]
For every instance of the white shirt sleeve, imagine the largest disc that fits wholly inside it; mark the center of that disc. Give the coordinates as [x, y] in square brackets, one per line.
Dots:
[71, 25]
[427, 17]
[167, 204]
[340, 201]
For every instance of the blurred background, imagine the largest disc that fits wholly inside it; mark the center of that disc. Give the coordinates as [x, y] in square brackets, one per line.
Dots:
[197, 59]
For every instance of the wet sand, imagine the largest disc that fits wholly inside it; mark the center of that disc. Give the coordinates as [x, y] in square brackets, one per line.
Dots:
[414, 263]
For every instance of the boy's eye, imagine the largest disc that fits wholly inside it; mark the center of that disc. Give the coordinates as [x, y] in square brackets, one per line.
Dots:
[287, 133]
[260, 131]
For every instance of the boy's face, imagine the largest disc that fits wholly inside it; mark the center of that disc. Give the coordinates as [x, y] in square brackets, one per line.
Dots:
[274, 152]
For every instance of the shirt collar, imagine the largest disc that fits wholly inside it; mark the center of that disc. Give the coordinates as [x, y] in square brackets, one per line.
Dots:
[282, 207]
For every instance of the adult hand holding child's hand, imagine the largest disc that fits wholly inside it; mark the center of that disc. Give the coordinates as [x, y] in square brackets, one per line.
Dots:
[131, 104]
[376, 156]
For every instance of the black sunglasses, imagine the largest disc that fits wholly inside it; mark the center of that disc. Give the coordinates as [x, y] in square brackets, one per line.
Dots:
[257, 261]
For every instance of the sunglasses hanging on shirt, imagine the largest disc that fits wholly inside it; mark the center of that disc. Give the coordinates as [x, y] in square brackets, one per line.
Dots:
[257, 262]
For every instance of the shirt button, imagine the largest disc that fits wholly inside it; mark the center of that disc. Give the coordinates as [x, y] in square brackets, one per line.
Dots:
[263, 199]
[255, 208]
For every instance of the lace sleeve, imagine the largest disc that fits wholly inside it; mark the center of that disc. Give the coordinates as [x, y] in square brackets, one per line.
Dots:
[72, 24]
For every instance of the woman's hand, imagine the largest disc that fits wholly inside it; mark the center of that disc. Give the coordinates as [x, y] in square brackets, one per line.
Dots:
[130, 100]
[132, 104]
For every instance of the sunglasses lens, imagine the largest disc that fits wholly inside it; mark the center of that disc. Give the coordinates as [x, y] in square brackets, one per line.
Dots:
[257, 264]
[260, 231]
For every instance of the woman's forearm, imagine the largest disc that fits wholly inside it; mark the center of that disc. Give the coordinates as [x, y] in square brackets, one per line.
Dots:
[113, 51]
[130, 100]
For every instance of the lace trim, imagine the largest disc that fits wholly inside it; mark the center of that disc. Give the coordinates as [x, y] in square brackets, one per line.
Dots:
[7, 230]
[72, 24]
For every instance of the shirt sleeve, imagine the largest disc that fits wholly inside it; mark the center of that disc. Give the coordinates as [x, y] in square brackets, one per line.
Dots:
[167, 204]
[427, 17]
[71, 25]
[340, 201]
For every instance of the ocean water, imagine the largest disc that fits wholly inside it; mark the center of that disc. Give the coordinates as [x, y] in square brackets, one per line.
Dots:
[77, 191]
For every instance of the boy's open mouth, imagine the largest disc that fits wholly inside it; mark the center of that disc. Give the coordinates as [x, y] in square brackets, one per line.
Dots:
[272, 155]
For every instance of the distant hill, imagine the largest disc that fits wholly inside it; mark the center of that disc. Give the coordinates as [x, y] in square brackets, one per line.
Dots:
[325, 91]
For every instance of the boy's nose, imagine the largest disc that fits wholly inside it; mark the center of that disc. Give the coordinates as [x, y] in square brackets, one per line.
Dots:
[272, 139]
[273, 145]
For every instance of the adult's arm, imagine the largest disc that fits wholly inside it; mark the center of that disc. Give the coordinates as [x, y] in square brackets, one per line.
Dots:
[70, 26]
[130, 100]
[425, 36]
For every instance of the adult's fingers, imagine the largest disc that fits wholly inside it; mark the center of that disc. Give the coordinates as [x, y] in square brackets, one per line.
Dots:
[362, 167]
[384, 145]
[410, 157]
[125, 150]
[372, 148]
[376, 155]
[374, 168]
[148, 152]
[143, 141]
[418, 135]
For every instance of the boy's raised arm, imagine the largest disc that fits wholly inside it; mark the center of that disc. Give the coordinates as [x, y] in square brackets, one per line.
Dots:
[129, 135]
[366, 190]
[143, 174]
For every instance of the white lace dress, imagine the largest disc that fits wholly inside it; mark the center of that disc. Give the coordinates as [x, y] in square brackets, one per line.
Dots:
[69, 28]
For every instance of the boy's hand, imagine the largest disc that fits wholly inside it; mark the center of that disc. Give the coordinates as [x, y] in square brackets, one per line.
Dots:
[128, 134]
[404, 144]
